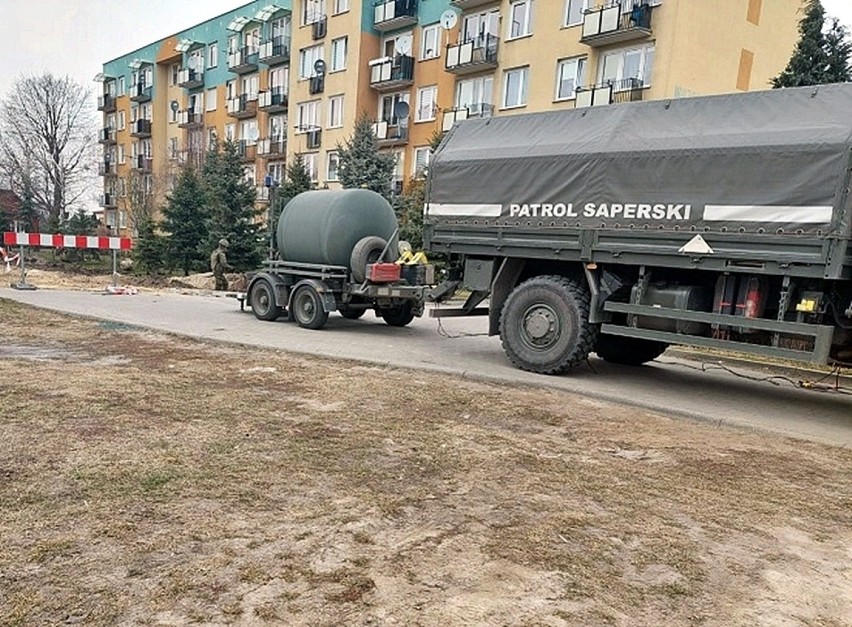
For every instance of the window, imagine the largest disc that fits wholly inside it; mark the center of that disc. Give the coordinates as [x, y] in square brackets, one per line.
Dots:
[570, 74]
[335, 112]
[111, 121]
[252, 41]
[478, 26]
[211, 98]
[173, 148]
[308, 116]
[250, 175]
[388, 107]
[250, 86]
[427, 99]
[277, 171]
[122, 86]
[422, 155]
[231, 89]
[430, 42]
[520, 19]
[212, 139]
[307, 58]
[122, 121]
[515, 87]
[121, 157]
[338, 54]
[277, 127]
[619, 66]
[280, 29]
[312, 11]
[212, 55]
[341, 6]
[230, 132]
[233, 46]
[134, 114]
[574, 11]
[278, 78]
[248, 132]
[389, 44]
[310, 159]
[333, 167]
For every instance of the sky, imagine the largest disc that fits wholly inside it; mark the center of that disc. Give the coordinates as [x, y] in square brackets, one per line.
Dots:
[77, 37]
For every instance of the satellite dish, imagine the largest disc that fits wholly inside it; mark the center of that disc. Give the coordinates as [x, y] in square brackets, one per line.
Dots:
[175, 105]
[401, 110]
[253, 134]
[449, 19]
[192, 64]
[404, 44]
[319, 67]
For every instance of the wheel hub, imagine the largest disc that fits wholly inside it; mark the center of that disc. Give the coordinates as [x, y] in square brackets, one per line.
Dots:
[540, 326]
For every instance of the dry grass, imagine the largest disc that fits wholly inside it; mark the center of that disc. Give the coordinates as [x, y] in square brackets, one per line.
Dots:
[146, 479]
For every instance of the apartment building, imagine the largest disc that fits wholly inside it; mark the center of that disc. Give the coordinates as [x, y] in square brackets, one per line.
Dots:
[291, 77]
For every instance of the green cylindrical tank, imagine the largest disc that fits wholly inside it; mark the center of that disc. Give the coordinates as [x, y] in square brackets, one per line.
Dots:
[324, 226]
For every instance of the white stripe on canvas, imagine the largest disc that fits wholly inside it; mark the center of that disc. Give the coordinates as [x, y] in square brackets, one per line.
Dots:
[768, 213]
[477, 211]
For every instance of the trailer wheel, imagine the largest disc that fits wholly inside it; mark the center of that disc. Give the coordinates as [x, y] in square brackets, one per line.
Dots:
[262, 301]
[628, 351]
[366, 251]
[544, 325]
[351, 314]
[399, 316]
[306, 308]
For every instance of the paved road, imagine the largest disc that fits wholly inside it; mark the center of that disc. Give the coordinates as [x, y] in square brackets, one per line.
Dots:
[668, 386]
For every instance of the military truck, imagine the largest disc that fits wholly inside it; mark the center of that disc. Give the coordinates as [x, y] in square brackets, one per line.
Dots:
[720, 222]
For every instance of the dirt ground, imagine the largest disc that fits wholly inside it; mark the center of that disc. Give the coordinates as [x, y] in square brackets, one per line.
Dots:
[151, 480]
[51, 278]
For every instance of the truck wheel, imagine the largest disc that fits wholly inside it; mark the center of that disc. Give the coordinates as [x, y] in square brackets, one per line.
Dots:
[366, 251]
[262, 301]
[628, 351]
[351, 314]
[399, 316]
[544, 325]
[306, 308]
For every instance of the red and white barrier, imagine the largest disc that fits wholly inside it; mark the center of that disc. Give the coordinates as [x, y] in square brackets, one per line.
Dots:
[46, 240]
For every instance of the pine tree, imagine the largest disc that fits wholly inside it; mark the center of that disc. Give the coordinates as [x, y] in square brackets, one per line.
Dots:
[185, 219]
[410, 213]
[361, 163]
[297, 180]
[28, 214]
[148, 247]
[233, 214]
[819, 57]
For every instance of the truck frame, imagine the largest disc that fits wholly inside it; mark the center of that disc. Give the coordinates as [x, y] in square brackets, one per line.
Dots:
[719, 222]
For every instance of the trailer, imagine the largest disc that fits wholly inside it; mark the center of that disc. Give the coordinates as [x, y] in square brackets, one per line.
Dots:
[720, 222]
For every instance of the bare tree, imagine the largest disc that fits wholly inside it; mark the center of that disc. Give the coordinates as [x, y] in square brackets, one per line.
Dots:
[48, 139]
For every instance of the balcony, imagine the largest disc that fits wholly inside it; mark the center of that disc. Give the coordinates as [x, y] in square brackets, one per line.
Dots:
[241, 107]
[317, 84]
[387, 74]
[273, 147]
[275, 51]
[394, 14]
[319, 28]
[610, 92]
[106, 103]
[313, 137]
[106, 168]
[247, 150]
[190, 79]
[610, 25]
[140, 128]
[107, 201]
[471, 4]
[140, 93]
[478, 110]
[477, 55]
[106, 136]
[273, 100]
[390, 134]
[189, 119]
[142, 163]
[243, 61]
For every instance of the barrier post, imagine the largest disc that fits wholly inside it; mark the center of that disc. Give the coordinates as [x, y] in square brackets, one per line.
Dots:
[115, 268]
[23, 285]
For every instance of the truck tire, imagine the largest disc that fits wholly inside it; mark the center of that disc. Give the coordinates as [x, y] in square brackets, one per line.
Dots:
[351, 314]
[262, 301]
[306, 308]
[366, 251]
[399, 316]
[628, 351]
[544, 325]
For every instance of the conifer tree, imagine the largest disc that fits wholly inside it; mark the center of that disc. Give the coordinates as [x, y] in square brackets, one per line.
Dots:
[148, 246]
[185, 219]
[361, 163]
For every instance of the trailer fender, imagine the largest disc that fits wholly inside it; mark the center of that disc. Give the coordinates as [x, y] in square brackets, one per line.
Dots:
[329, 302]
[282, 295]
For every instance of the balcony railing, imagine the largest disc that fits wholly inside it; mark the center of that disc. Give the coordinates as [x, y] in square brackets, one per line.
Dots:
[313, 137]
[142, 163]
[247, 150]
[610, 92]
[190, 79]
[106, 168]
[190, 119]
[477, 110]
[242, 107]
[471, 4]
[272, 147]
[394, 14]
[273, 100]
[275, 51]
[106, 103]
[617, 22]
[140, 92]
[390, 133]
[243, 61]
[389, 73]
[106, 136]
[319, 28]
[317, 84]
[475, 55]
[108, 201]
[140, 128]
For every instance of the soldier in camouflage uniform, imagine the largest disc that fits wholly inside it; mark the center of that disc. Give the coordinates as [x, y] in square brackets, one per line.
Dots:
[219, 264]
